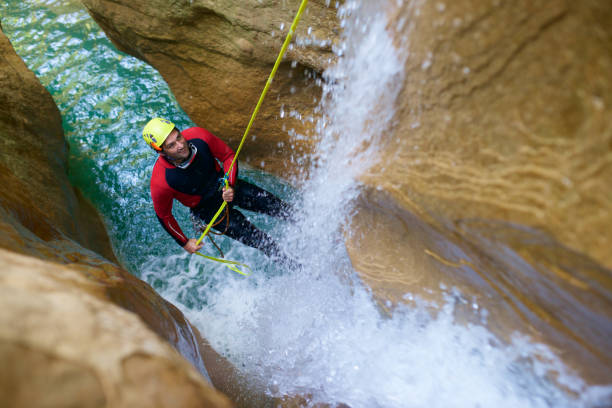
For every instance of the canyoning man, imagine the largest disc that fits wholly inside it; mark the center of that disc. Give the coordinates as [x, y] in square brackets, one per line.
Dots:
[188, 170]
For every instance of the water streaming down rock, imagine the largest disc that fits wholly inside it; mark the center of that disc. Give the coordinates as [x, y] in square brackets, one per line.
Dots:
[317, 331]
[495, 179]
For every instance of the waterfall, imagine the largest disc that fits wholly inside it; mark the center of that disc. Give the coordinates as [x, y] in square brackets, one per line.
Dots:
[317, 331]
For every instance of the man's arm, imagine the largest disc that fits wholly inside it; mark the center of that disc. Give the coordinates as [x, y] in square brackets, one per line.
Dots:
[171, 226]
[191, 246]
[223, 153]
[162, 204]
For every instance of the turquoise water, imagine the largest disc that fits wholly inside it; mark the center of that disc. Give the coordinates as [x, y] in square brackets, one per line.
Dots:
[315, 331]
[105, 98]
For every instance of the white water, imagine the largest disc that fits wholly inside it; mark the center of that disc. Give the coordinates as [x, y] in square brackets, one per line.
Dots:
[317, 331]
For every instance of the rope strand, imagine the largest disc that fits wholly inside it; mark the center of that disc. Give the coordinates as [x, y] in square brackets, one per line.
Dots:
[256, 110]
[232, 264]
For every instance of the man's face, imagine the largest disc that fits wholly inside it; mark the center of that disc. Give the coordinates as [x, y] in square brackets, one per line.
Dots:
[175, 146]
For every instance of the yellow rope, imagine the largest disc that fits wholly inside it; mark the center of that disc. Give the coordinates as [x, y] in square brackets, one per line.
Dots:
[248, 128]
[228, 263]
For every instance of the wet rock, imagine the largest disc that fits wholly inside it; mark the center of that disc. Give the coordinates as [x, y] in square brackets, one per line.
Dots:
[503, 188]
[496, 175]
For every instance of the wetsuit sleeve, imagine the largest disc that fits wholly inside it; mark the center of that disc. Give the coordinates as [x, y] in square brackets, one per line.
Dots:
[162, 203]
[224, 154]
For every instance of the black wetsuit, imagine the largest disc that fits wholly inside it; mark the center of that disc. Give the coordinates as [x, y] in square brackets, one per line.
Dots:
[197, 187]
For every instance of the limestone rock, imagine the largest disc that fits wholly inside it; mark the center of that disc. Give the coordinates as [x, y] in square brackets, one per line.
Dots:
[497, 171]
[62, 346]
[216, 56]
[35, 190]
[496, 179]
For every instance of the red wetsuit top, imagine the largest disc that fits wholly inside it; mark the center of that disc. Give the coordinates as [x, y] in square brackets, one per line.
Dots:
[194, 185]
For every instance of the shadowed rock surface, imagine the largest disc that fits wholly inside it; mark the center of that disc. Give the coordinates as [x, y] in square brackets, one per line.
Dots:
[496, 177]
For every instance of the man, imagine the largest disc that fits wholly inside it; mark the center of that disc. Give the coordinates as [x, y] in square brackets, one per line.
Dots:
[187, 170]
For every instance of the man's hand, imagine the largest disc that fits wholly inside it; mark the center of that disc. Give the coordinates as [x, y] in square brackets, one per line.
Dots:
[228, 194]
[191, 246]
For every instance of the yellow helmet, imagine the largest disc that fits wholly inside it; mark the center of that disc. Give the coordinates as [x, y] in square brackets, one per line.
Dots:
[156, 131]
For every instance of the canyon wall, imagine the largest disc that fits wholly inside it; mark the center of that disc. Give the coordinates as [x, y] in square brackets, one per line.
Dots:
[497, 174]
[75, 328]
[217, 55]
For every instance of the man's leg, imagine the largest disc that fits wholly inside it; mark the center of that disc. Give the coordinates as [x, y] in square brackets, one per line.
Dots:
[254, 198]
[242, 230]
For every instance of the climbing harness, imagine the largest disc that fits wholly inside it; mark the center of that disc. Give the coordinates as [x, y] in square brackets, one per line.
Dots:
[200, 226]
[232, 264]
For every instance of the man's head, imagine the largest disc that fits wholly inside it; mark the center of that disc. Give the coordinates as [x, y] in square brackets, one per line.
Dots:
[166, 139]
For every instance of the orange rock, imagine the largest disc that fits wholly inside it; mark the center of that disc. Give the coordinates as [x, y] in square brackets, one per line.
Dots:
[503, 187]
[62, 346]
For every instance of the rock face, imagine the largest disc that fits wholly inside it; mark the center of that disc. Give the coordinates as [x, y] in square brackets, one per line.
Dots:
[61, 345]
[497, 175]
[64, 340]
[217, 55]
[36, 193]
